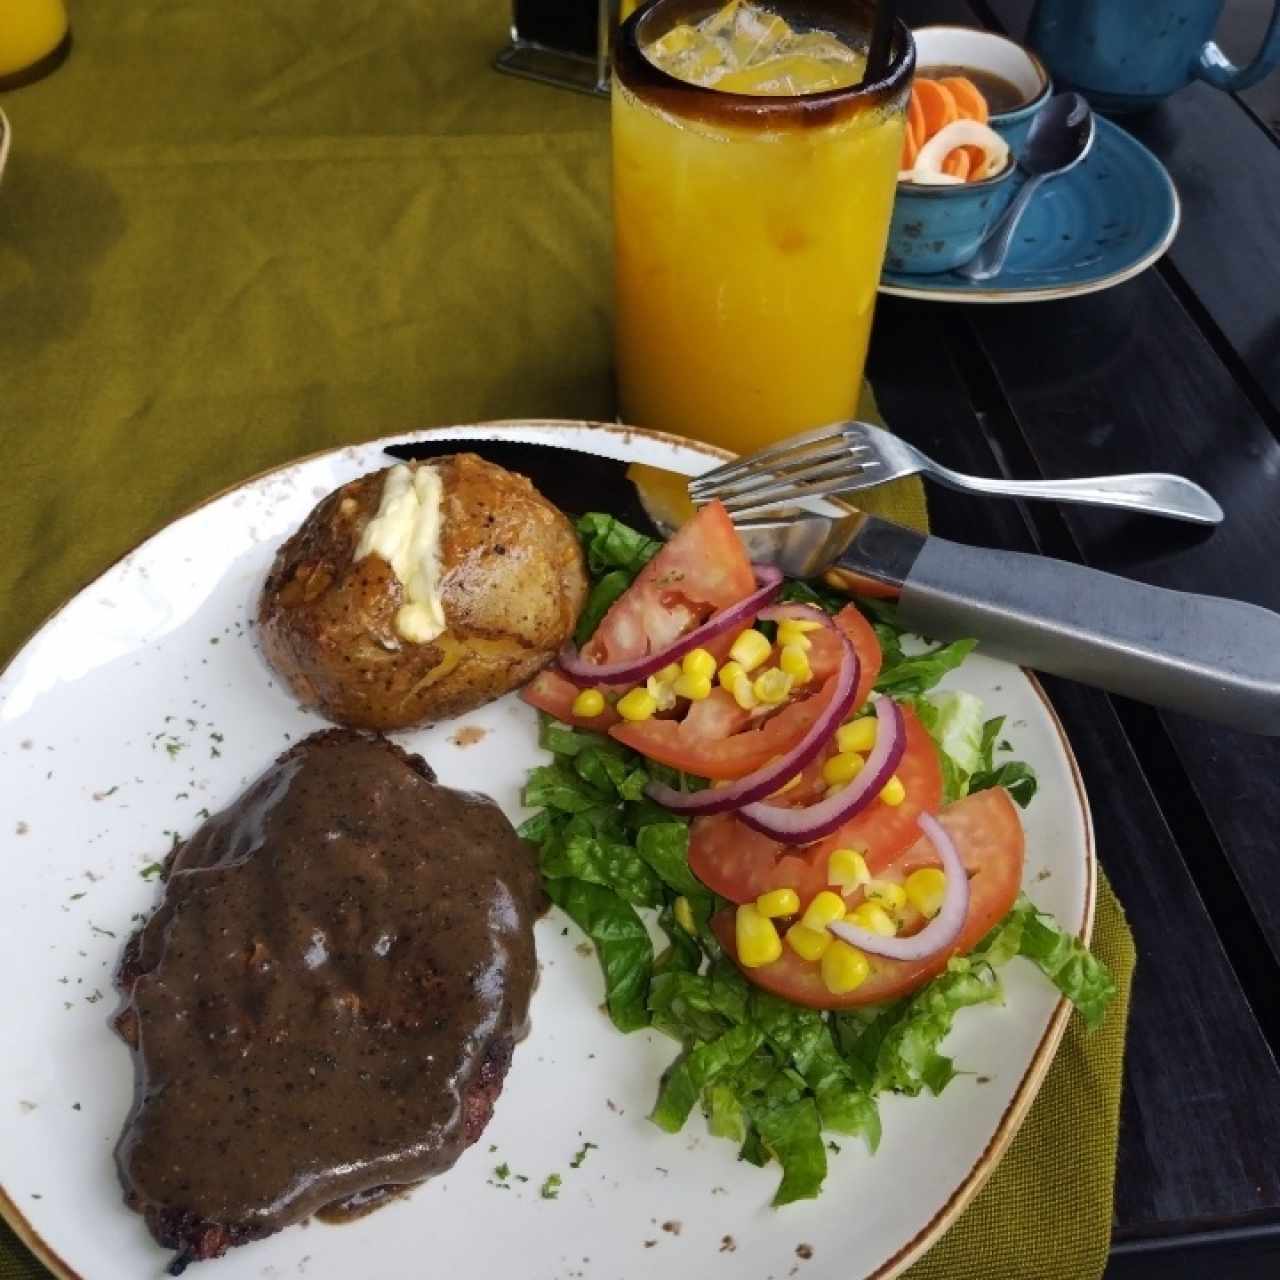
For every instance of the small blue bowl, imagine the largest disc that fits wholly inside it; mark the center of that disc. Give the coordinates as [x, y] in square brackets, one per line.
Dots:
[937, 228]
[948, 46]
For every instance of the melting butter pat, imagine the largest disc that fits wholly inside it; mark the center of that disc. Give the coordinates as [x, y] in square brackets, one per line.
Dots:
[406, 534]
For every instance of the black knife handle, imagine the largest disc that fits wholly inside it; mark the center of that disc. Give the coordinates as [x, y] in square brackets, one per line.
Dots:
[1214, 658]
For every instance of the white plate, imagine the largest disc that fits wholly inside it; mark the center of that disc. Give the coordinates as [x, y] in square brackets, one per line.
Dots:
[143, 701]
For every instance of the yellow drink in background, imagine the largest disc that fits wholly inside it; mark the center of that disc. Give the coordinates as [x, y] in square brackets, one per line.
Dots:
[29, 30]
[748, 242]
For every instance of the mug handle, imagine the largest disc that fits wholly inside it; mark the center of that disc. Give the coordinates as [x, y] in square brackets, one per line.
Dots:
[1214, 66]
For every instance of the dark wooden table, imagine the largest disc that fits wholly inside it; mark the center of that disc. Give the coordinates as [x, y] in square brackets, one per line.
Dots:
[1178, 369]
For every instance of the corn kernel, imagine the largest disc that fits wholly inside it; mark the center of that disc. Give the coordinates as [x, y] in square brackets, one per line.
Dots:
[893, 793]
[822, 910]
[668, 673]
[772, 686]
[874, 918]
[590, 702]
[698, 662]
[757, 939]
[790, 632]
[743, 694]
[926, 889]
[683, 913]
[795, 662]
[778, 902]
[695, 688]
[661, 692]
[847, 868]
[842, 768]
[857, 735]
[639, 704]
[728, 675]
[890, 895]
[802, 625]
[808, 944]
[844, 968]
[750, 649]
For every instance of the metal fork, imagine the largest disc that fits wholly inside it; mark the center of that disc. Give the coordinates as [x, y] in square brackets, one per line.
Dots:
[847, 456]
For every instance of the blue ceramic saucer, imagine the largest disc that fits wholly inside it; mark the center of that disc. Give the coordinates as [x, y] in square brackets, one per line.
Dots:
[1100, 224]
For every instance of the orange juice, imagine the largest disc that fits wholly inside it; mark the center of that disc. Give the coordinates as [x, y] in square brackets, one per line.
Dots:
[29, 31]
[753, 182]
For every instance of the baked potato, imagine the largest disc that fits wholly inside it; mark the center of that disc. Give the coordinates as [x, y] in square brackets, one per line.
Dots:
[508, 571]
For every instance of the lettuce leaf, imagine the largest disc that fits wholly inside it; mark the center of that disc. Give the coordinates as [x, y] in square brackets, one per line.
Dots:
[689, 1075]
[910, 676]
[900, 1046]
[1059, 955]
[558, 786]
[613, 864]
[622, 946]
[603, 593]
[665, 847]
[803, 1036]
[1015, 776]
[792, 1135]
[610, 544]
[726, 1116]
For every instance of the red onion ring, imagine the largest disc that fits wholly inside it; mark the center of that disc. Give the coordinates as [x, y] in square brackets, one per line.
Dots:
[812, 822]
[768, 778]
[942, 930]
[633, 670]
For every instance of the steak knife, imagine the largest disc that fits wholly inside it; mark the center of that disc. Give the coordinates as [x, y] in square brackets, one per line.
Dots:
[1212, 657]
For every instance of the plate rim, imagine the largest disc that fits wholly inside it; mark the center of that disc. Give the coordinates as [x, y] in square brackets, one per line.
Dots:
[1032, 1079]
[995, 297]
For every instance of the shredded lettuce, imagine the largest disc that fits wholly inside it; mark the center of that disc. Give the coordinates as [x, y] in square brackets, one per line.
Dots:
[610, 544]
[911, 675]
[899, 1047]
[792, 1134]
[1060, 956]
[691, 1074]
[603, 593]
[622, 945]
[767, 1074]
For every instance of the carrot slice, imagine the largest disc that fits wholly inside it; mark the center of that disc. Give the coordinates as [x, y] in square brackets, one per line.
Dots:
[957, 163]
[910, 149]
[915, 119]
[977, 158]
[937, 105]
[968, 98]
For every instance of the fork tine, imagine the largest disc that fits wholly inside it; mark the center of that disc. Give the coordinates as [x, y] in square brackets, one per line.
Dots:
[731, 470]
[775, 472]
[790, 491]
[758, 486]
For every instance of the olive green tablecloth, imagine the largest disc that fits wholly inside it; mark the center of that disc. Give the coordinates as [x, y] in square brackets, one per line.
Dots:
[235, 233]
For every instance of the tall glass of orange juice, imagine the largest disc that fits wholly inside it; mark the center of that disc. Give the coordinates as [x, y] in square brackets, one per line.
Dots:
[753, 180]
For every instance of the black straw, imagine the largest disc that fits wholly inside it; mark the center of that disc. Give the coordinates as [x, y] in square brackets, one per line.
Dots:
[881, 41]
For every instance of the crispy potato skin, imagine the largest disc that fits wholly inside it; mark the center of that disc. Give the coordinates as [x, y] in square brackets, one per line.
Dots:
[513, 583]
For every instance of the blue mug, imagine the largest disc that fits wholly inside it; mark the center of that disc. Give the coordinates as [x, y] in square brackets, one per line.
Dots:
[1125, 55]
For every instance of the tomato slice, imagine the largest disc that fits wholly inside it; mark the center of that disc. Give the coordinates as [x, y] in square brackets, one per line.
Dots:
[719, 741]
[988, 836]
[703, 569]
[552, 692]
[740, 864]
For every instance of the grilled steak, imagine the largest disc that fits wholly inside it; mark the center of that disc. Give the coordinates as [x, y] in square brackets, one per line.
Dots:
[323, 1006]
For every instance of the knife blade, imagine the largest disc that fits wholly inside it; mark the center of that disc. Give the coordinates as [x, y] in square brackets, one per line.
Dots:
[1206, 655]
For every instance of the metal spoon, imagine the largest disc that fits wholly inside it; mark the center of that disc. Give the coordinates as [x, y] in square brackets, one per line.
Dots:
[1060, 137]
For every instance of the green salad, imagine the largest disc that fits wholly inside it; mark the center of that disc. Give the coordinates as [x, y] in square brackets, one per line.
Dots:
[778, 1078]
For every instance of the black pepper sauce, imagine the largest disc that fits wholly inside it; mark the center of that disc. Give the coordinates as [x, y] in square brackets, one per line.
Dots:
[324, 1003]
